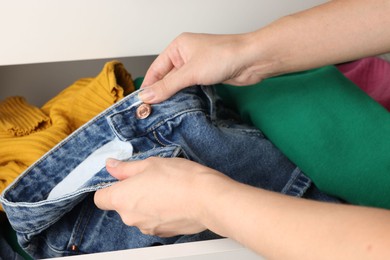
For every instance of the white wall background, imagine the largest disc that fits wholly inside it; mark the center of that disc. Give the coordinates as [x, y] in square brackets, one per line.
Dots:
[58, 30]
[48, 44]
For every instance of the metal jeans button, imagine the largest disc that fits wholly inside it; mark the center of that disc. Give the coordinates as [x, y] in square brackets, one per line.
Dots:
[143, 111]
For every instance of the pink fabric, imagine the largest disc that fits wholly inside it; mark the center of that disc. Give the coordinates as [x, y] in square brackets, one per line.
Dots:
[372, 75]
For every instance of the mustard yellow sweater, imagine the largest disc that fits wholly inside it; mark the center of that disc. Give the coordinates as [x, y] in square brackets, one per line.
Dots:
[28, 132]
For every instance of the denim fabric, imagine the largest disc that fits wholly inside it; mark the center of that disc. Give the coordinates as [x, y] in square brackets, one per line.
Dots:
[192, 124]
[6, 251]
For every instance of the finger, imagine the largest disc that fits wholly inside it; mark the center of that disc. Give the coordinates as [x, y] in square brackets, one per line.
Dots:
[123, 170]
[163, 89]
[160, 67]
[104, 198]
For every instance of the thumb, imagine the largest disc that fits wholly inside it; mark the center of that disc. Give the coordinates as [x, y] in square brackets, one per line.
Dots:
[121, 170]
[163, 89]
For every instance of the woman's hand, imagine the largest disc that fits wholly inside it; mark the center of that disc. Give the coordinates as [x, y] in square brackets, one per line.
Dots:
[297, 42]
[171, 196]
[161, 196]
[202, 59]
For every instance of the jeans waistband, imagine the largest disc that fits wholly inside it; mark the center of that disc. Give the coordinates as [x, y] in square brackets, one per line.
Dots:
[127, 120]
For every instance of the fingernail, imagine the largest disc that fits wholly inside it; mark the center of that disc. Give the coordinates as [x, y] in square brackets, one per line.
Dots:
[112, 162]
[146, 94]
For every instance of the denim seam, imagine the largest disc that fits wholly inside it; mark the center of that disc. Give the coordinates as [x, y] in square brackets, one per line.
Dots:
[45, 226]
[152, 128]
[297, 185]
[155, 133]
[82, 224]
[71, 195]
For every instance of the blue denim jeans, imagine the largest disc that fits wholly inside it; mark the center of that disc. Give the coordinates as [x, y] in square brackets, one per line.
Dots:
[51, 207]
[6, 251]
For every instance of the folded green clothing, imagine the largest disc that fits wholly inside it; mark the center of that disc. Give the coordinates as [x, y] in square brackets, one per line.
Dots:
[329, 127]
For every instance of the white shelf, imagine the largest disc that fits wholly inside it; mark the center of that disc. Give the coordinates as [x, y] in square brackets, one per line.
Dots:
[219, 249]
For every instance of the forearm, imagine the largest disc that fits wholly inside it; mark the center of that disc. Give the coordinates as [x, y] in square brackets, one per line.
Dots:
[337, 31]
[282, 227]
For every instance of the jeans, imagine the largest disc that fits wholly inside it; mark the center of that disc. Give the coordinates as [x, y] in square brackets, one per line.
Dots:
[7, 250]
[51, 207]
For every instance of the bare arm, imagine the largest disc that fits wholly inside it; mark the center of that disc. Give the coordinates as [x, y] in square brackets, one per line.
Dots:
[173, 196]
[337, 31]
[282, 227]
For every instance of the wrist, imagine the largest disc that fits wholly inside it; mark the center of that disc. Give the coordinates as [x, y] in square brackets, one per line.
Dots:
[213, 201]
[202, 187]
[278, 48]
[263, 59]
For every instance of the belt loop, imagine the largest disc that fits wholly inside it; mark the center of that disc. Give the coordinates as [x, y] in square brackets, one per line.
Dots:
[211, 96]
